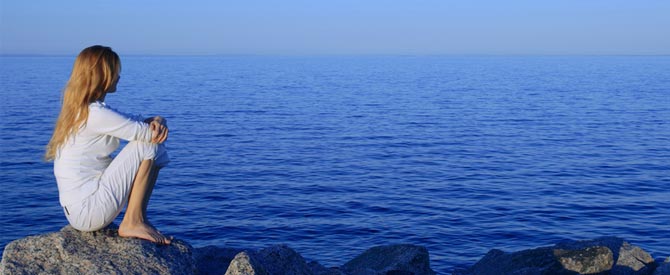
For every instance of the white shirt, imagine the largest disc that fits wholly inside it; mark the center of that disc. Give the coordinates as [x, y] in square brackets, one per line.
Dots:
[85, 155]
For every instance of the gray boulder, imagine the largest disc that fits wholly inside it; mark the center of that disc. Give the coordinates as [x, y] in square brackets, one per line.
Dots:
[607, 255]
[243, 264]
[70, 251]
[391, 259]
[589, 260]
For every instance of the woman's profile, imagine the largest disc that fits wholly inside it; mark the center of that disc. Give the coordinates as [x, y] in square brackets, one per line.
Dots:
[93, 188]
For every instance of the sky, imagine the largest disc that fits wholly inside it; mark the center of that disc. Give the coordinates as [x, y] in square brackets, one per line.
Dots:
[289, 27]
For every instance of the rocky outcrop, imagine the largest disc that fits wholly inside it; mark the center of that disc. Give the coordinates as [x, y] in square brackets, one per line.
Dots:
[70, 251]
[280, 259]
[601, 256]
[277, 259]
[102, 252]
[394, 259]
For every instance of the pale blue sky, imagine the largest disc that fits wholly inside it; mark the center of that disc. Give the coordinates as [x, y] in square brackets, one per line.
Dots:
[337, 27]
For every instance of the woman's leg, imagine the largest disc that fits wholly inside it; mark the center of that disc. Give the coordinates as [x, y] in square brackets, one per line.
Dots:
[129, 181]
[160, 162]
[152, 180]
[135, 223]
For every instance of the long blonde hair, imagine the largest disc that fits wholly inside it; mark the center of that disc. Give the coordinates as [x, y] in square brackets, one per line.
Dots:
[94, 73]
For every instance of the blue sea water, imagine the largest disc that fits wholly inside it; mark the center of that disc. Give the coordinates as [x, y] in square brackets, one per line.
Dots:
[335, 154]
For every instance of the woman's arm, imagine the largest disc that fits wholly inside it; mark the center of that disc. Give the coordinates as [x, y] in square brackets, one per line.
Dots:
[158, 126]
[104, 120]
[107, 121]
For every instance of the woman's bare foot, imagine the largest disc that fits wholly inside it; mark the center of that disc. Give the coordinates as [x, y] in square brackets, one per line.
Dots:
[143, 231]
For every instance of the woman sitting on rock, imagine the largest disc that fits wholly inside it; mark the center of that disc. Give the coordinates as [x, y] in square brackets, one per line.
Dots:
[93, 188]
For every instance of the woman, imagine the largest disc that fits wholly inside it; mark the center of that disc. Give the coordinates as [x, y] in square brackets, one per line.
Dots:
[93, 188]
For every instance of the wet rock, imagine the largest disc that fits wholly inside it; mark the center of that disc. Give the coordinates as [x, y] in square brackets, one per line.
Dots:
[391, 259]
[102, 252]
[607, 255]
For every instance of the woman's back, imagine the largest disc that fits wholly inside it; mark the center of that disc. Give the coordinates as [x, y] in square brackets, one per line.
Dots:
[85, 155]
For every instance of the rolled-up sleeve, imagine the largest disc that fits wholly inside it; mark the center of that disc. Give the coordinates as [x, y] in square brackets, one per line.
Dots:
[104, 120]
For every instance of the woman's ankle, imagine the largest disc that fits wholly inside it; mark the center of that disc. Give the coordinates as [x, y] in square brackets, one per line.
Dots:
[132, 221]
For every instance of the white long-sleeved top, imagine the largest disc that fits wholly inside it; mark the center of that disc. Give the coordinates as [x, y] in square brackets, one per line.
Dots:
[85, 155]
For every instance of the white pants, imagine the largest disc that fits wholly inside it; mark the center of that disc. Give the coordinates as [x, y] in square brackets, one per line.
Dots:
[102, 207]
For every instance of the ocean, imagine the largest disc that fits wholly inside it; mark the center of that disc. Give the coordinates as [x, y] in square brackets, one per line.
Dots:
[332, 155]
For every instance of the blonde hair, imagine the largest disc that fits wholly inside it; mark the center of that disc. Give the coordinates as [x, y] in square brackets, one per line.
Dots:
[94, 73]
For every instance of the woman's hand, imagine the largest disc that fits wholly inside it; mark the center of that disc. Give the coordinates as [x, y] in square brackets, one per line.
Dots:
[159, 129]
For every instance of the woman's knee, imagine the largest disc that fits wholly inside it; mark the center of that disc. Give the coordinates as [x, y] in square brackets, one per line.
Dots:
[145, 150]
[156, 152]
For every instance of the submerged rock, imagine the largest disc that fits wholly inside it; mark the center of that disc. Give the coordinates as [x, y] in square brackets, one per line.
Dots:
[70, 251]
[391, 259]
[607, 255]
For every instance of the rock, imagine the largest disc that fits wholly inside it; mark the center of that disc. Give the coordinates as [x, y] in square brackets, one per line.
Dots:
[526, 262]
[589, 260]
[633, 257]
[281, 259]
[243, 264]
[277, 259]
[213, 260]
[627, 259]
[70, 251]
[607, 255]
[391, 259]
[663, 268]
[318, 269]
